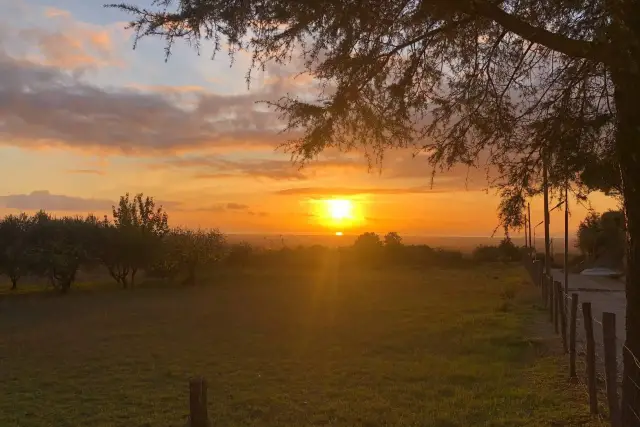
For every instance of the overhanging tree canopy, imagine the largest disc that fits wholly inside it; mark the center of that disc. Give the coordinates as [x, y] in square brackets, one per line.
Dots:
[504, 83]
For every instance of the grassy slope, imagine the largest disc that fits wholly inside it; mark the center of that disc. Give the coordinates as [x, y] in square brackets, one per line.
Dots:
[350, 348]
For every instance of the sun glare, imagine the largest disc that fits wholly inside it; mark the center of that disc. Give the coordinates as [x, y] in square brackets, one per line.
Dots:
[340, 209]
[338, 215]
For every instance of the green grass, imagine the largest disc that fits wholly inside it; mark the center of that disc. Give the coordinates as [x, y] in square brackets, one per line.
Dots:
[296, 348]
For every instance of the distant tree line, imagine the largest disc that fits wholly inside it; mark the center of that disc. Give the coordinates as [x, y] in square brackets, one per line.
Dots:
[505, 251]
[369, 250]
[136, 238]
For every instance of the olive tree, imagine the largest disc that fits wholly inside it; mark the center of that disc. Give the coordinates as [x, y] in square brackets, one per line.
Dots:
[511, 84]
[133, 240]
[14, 247]
[197, 249]
[60, 246]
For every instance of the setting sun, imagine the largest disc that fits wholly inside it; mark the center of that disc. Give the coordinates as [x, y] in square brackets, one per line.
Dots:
[338, 214]
[340, 208]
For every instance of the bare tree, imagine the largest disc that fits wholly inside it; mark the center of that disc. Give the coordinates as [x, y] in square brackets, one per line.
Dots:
[505, 84]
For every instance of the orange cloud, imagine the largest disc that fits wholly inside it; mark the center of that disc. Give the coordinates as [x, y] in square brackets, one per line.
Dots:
[52, 12]
[76, 46]
[218, 168]
[86, 171]
[347, 191]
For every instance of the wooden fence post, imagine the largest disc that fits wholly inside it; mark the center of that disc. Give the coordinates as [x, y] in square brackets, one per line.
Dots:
[572, 336]
[562, 314]
[611, 366]
[591, 357]
[556, 306]
[198, 416]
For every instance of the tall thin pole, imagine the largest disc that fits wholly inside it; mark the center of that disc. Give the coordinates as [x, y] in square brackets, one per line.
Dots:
[566, 239]
[529, 210]
[526, 240]
[547, 242]
[534, 240]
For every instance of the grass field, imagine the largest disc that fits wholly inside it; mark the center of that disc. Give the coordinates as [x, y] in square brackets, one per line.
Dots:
[297, 348]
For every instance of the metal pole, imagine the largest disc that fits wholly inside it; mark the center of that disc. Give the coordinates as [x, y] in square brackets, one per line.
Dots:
[566, 240]
[547, 242]
[526, 241]
[529, 210]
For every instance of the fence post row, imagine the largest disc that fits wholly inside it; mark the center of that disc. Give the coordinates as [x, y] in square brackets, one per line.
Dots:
[591, 357]
[611, 366]
[554, 297]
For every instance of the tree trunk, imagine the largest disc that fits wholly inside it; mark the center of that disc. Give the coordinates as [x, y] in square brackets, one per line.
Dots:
[65, 285]
[14, 283]
[627, 94]
[133, 276]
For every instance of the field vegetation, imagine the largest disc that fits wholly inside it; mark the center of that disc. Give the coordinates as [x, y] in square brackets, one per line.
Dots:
[378, 333]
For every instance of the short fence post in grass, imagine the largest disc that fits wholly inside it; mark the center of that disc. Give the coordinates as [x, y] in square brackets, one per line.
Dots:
[611, 366]
[572, 336]
[198, 416]
[591, 357]
[556, 306]
[562, 314]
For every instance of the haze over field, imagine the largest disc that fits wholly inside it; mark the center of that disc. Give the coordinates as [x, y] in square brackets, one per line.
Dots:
[86, 119]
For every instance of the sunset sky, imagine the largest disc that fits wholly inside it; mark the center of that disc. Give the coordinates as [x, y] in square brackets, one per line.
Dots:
[84, 119]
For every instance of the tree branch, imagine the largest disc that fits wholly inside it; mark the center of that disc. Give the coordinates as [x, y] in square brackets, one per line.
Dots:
[574, 48]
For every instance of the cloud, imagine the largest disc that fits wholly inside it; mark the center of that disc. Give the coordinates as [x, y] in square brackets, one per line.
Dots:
[237, 206]
[218, 207]
[52, 12]
[261, 214]
[72, 49]
[348, 191]
[279, 170]
[408, 165]
[43, 199]
[42, 105]
[166, 89]
[86, 171]
[217, 168]
[51, 36]
[209, 208]
[46, 98]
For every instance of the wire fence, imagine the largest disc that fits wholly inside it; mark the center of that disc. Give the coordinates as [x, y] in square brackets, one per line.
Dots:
[596, 365]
